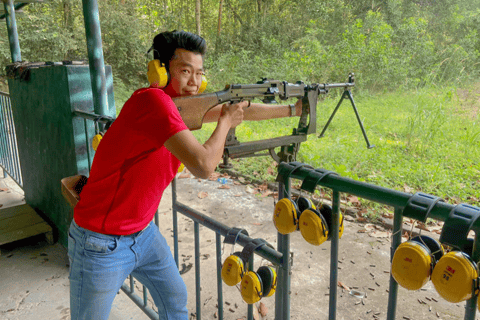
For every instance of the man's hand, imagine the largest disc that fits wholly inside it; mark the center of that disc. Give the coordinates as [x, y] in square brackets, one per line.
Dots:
[233, 113]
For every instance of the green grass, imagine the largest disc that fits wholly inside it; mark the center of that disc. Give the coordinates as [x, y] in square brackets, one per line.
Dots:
[425, 140]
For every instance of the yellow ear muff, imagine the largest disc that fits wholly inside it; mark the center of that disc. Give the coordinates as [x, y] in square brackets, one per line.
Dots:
[157, 74]
[269, 280]
[233, 269]
[285, 216]
[180, 169]
[251, 287]
[96, 141]
[203, 85]
[413, 261]
[453, 276]
[411, 265]
[313, 227]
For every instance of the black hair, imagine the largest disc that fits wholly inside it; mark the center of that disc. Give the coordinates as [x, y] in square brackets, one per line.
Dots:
[165, 44]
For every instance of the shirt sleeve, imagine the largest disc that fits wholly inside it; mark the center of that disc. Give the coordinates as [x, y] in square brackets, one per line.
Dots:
[156, 116]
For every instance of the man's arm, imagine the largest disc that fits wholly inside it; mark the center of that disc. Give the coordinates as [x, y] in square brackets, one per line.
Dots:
[258, 111]
[199, 159]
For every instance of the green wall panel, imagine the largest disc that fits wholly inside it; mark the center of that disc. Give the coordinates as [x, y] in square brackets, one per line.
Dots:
[51, 141]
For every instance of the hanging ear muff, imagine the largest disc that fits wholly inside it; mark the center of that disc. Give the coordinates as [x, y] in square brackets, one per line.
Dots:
[96, 140]
[251, 287]
[285, 216]
[413, 261]
[256, 285]
[157, 74]
[454, 276]
[233, 269]
[268, 275]
[315, 225]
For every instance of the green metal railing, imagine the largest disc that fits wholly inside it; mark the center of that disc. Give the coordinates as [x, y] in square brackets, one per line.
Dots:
[418, 206]
[9, 159]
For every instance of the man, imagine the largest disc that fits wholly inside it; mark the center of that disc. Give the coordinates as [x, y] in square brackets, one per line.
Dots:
[112, 234]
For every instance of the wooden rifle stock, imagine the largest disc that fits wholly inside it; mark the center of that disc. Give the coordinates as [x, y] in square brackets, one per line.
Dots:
[193, 108]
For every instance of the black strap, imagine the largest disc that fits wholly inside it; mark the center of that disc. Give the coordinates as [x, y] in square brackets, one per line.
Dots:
[285, 169]
[251, 247]
[458, 224]
[420, 205]
[232, 235]
[313, 178]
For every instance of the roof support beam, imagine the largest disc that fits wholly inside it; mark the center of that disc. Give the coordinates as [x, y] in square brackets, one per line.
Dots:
[95, 56]
[12, 31]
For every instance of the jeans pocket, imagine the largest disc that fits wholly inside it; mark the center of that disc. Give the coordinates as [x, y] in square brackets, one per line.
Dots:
[102, 246]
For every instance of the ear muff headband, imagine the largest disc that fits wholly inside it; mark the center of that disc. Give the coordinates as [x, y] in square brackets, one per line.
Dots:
[158, 76]
[453, 276]
[285, 216]
[233, 269]
[304, 204]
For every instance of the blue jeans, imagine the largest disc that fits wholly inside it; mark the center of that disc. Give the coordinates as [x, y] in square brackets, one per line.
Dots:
[99, 264]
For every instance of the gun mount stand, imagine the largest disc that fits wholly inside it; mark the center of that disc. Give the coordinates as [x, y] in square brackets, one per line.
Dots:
[347, 93]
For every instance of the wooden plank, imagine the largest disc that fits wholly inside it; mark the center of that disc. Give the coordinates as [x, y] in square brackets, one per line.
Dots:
[20, 222]
[25, 233]
[9, 212]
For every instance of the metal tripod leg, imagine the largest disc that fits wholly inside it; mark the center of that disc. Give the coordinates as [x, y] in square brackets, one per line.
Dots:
[350, 97]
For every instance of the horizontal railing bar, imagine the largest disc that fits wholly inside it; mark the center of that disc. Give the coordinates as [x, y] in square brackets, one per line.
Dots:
[266, 252]
[93, 116]
[394, 198]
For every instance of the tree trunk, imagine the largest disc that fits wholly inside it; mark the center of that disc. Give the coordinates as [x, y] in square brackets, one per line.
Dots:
[197, 15]
[219, 26]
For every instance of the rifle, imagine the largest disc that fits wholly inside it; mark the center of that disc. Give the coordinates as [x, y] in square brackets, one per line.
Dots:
[193, 109]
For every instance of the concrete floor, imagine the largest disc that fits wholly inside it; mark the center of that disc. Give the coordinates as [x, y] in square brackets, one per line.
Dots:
[34, 276]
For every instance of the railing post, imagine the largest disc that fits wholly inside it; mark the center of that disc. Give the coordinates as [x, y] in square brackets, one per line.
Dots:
[12, 31]
[334, 256]
[196, 228]
[218, 241]
[282, 294]
[175, 221]
[95, 56]
[396, 240]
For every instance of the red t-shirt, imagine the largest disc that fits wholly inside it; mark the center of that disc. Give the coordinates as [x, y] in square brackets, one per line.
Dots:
[131, 167]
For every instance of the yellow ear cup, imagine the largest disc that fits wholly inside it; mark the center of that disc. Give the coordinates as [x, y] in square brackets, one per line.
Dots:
[269, 280]
[203, 86]
[313, 227]
[341, 227]
[251, 287]
[180, 169]
[232, 270]
[411, 265]
[157, 74]
[96, 141]
[453, 276]
[285, 216]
